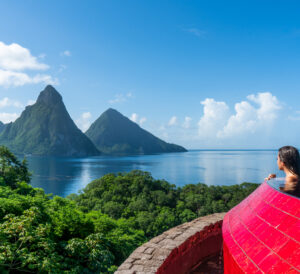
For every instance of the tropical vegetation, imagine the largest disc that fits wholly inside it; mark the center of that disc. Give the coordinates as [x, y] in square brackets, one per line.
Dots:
[96, 230]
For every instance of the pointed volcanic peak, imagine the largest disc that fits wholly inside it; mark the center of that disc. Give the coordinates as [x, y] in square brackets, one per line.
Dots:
[113, 133]
[49, 96]
[46, 128]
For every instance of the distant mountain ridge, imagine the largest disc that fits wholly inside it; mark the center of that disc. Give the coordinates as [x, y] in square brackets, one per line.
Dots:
[113, 133]
[46, 128]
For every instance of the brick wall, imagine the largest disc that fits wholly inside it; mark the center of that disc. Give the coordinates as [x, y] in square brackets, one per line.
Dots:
[179, 249]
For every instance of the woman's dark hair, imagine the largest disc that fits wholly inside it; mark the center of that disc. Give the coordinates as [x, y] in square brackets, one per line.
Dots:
[290, 157]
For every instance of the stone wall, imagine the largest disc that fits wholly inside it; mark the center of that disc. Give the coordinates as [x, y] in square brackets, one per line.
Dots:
[178, 250]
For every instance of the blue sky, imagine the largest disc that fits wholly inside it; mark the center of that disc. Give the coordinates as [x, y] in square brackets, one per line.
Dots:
[203, 74]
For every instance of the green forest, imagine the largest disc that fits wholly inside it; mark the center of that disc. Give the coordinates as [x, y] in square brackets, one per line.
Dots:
[96, 230]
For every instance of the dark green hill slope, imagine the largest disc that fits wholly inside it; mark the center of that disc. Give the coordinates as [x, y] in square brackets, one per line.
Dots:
[46, 128]
[114, 133]
[2, 126]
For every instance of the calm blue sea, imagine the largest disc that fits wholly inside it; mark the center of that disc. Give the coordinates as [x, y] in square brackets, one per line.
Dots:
[63, 176]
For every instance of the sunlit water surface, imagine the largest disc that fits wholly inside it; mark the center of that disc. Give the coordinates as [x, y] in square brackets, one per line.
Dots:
[63, 176]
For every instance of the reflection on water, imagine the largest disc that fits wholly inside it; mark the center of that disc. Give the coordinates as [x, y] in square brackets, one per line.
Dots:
[62, 176]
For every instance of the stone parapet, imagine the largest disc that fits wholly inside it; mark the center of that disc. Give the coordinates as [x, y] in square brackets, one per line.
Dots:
[179, 249]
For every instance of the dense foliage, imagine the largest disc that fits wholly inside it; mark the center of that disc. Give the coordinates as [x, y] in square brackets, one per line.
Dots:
[94, 231]
[155, 205]
[40, 234]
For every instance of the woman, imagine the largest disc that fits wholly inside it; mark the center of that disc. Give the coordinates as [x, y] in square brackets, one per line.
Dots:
[288, 160]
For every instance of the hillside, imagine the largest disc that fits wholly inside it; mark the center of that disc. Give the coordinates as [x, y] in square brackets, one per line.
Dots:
[2, 126]
[113, 133]
[46, 128]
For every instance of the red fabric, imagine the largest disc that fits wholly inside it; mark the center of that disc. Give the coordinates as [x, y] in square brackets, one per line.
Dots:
[262, 233]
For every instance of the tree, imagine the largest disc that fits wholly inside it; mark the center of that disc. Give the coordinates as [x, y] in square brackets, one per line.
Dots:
[12, 170]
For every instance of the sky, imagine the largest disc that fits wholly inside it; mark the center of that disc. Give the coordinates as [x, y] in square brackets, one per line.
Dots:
[202, 74]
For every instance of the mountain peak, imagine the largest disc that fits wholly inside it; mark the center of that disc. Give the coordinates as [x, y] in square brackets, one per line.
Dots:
[111, 110]
[46, 128]
[49, 96]
[114, 133]
[112, 114]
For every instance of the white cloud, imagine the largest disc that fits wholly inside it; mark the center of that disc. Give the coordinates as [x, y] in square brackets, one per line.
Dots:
[268, 105]
[252, 122]
[8, 117]
[15, 57]
[135, 118]
[143, 120]
[187, 122]
[214, 118]
[30, 102]
[173, 121]
[6, 102]
[83, 122]
[12, 78]
[120, 98]
[15, 60]
[66, 53]
[86, 115]
[247, 119]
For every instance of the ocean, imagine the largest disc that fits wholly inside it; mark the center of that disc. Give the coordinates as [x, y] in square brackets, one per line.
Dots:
[63, 176]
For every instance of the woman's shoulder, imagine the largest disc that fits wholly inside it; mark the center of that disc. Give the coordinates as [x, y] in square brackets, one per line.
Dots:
[292, 179]
[291, 184]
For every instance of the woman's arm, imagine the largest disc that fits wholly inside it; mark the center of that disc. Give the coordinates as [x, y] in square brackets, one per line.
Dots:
[271, 176]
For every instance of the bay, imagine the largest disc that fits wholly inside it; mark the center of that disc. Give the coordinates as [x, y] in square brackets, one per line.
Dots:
[63, 176]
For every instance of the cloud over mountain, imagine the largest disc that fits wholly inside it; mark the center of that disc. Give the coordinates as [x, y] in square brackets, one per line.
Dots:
[84, 121]
[8, 117]
[135, 118]
[15, 61]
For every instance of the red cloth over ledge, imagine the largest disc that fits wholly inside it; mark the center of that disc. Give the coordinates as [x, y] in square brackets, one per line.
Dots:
[262, 233]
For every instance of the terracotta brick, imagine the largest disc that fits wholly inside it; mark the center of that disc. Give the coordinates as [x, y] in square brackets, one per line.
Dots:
[157, 239]
[124, 272]
[125, 266]
[149, 250]
[162, 250]
[137, 268]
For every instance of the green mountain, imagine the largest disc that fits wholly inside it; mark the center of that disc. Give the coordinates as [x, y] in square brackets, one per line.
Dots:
[2, 126]
[114, 133]
[46, 128]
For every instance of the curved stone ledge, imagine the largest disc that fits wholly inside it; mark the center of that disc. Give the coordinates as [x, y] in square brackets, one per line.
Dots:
[178, 250]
